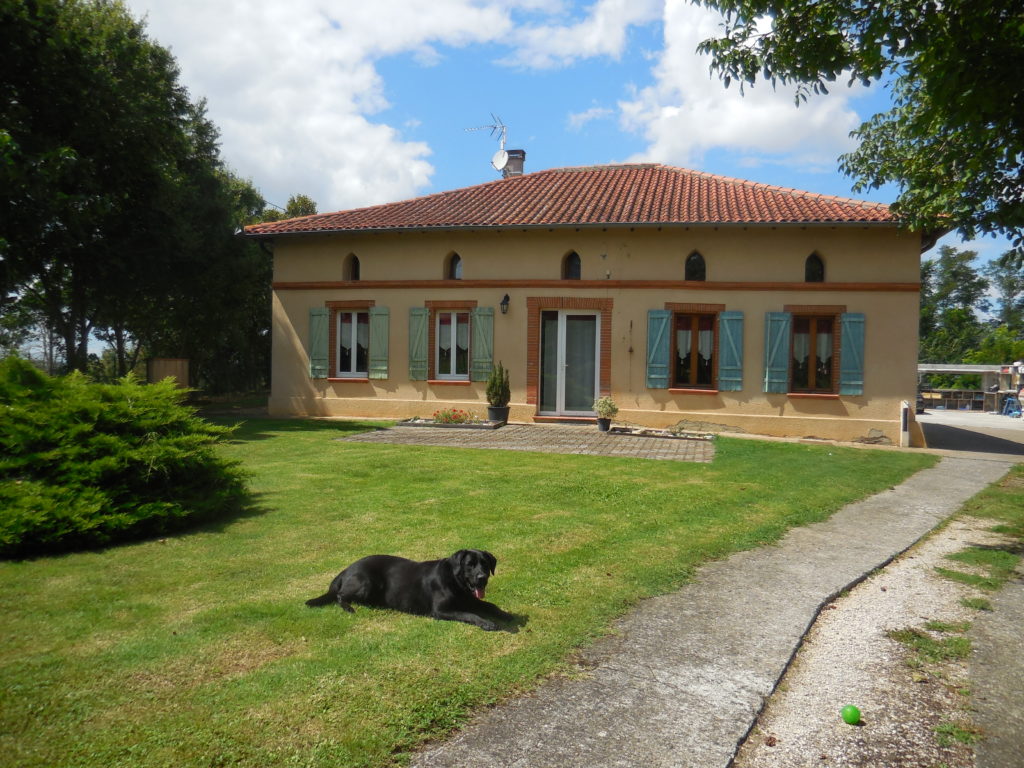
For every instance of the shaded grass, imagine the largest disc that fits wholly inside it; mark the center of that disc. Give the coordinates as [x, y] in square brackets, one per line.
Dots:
[997, 563]
[197, 649]
[1003, 502]
[931, 650]
[957, 627]
[949, 733]
[987, 583]
[977, 603]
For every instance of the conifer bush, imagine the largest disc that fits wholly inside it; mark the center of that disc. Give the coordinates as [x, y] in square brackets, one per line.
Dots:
[499, 392]
[85, 464]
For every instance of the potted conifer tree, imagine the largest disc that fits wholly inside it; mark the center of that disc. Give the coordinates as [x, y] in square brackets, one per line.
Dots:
[498, 394]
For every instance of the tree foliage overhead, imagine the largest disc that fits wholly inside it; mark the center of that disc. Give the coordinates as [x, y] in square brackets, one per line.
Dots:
[954, 139]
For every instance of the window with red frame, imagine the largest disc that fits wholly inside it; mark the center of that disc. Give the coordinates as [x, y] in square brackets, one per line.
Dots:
[353, 352]
[694, 342]
[813, 349]
[452, 341]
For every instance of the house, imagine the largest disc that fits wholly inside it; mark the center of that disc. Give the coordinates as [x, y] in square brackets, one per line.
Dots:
[694, 300]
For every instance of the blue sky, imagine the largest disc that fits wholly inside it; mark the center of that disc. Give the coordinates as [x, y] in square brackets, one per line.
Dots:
[358, 103]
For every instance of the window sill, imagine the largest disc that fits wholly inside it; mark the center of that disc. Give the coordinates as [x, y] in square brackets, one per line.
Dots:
[812, 396]
[448, 382]
[687, 391]
[348, 380]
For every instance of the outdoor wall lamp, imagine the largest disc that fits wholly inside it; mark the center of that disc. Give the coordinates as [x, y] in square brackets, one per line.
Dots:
[504, 305]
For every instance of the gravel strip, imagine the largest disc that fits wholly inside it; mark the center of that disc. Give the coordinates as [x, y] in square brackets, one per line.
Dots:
[847, 658]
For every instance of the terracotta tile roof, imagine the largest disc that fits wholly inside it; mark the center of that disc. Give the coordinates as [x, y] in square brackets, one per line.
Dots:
[595, 195]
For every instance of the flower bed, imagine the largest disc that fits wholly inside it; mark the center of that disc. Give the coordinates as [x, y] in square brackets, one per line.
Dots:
[662, 433]
[452, 417]
[417, 422]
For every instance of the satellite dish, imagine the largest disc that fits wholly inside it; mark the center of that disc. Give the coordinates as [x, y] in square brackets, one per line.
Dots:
[500, 159]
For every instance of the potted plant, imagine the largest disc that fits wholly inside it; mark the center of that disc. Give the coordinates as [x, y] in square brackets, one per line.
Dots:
[498, 394]
[606, 409]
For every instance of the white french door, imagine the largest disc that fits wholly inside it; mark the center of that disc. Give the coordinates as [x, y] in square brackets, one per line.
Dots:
[570, 361]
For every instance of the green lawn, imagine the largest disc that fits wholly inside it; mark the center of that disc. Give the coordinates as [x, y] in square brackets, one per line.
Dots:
[197, 650]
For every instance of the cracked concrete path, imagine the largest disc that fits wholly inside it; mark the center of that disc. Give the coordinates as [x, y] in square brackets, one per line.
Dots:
[683, 677]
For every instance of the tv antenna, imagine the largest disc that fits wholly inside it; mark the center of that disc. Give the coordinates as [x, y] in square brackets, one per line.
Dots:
[500, 158]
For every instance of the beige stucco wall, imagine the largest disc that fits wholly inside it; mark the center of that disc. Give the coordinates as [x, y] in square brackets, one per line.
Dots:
[495, 263]
[753, 254]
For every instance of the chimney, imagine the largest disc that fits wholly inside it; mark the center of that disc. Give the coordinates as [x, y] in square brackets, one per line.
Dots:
[514, 166]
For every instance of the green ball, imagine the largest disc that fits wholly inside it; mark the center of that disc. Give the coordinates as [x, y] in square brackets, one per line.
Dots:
[850, 714]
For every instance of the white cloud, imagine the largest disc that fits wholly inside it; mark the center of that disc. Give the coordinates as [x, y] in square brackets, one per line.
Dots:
[603, 32]
[687, 111]
[578, 119]
[293, 86]
[297, 95]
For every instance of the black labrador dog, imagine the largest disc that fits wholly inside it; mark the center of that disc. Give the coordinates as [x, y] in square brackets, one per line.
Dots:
[450, 589]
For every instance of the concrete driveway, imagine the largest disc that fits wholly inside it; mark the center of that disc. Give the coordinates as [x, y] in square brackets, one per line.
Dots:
[973, 434]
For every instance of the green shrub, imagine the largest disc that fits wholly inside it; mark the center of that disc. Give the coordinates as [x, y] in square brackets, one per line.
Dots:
[85, 464]
[499, 392]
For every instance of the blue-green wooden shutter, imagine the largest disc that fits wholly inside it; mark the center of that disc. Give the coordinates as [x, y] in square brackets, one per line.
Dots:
[730, 351]
[851, 354]
[776, 351]
[481, 345]
[659, 347]
[318, 317]
[379, 327]
[418, 319]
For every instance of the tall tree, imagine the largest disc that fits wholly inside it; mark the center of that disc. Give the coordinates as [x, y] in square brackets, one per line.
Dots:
[1007, 283]
[117, 218]
[954, 281]
[953, 294]
[298, 205]
[95, 133]
[218, 313]
[999, 347]
[955, 135]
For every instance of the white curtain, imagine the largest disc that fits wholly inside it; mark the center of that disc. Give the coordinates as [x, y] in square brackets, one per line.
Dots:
[462, 331]
[705, 344]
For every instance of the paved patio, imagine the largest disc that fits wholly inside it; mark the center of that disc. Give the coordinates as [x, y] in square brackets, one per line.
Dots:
[548, 438]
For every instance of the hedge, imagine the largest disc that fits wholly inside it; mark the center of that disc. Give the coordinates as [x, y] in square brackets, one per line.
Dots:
[85, 464]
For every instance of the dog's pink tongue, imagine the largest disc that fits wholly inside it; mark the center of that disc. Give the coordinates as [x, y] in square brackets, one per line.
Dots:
[478, 593]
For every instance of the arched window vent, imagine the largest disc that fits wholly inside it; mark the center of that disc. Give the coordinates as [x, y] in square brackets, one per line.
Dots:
[695, 268]
[814, 269]
[453, 269]
[350, 268]
[571, 266]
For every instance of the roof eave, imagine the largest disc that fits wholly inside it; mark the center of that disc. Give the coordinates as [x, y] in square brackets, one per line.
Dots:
[570, 225]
